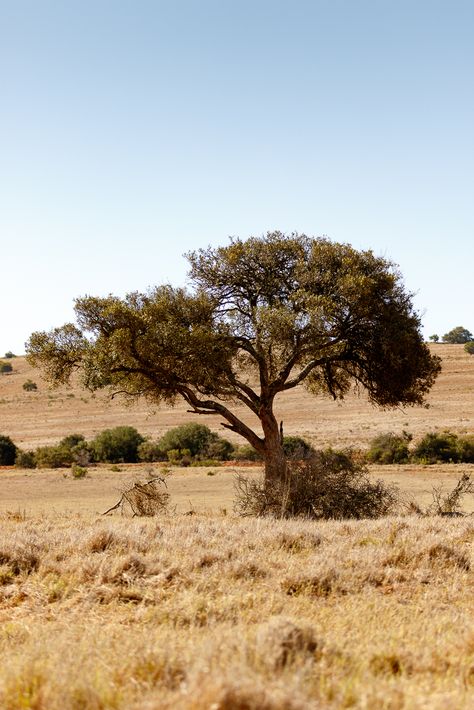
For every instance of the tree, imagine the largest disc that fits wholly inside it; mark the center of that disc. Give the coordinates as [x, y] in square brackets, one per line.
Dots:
[469, 347]
[264, 315]
[117, 445]
[434, 338]
[458, 335]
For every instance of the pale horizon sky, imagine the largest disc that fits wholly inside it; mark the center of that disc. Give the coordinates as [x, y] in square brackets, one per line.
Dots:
[133, 132]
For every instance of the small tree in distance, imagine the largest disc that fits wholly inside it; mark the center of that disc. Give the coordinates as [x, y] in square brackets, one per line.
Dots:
[264, 316]
[434, 338]
[469, 347]
[458, 335]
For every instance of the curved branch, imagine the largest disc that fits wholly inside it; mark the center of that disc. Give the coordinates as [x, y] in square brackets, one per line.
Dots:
[201, 406]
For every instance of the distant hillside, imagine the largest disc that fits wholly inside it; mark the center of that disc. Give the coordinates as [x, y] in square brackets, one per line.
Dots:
[44, 416]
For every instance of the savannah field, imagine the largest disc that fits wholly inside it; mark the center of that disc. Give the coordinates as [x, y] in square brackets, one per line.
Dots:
[199, 609]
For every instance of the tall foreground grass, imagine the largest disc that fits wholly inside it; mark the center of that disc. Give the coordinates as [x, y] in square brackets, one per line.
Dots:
[201, 613]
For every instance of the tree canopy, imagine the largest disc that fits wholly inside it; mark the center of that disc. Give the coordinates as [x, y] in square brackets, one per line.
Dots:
[261, 316]
[458, 335]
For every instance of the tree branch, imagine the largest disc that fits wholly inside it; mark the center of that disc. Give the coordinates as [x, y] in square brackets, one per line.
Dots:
[234, 423]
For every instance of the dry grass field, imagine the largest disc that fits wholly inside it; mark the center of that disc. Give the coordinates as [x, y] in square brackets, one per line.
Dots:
[45, 416]
[207, 613]
[200, 610]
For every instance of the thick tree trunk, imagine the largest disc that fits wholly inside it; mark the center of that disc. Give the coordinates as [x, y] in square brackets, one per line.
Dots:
[275, 464]
[274, 456]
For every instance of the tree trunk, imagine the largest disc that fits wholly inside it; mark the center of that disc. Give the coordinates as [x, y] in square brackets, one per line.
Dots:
[274, 456]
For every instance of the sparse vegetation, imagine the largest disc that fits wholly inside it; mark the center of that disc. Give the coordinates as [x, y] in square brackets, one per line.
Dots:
[30, 386]
[9, 355]
[5, 367]
[469, 347]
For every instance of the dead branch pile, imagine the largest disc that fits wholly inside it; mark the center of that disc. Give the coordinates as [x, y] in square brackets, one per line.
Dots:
[144, 498]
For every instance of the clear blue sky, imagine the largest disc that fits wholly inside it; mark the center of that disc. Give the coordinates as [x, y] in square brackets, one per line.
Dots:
[132, 131]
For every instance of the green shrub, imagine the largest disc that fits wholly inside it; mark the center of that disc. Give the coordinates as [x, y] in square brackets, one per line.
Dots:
[327, 485]
[53, 457]
[437, 447]
[25, 459]
[150, 451]
[9, 355]
[296, 448]
[389, 448]
[466, 448]
[179, 457]
[246, 453]
[72, 440]
[5, 367]
[30, 386]
[7, 451]
[469, 347]
[78, 471]
[198, 439]
[218, 448]
[119, 445]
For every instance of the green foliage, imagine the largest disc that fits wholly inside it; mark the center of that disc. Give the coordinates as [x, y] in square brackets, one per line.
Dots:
[150, 451]
[327, 485]
[469, 347]
[465, 447]
[119, 445]
[437, 447]
[193, 436]
[7, 451]
[247, 453]
[30, 386]
[53, 457]
[25, 459]
[434, 338]
[5, 367]
[295, 447]
[179, 456]
[78, 471]
[458, 335]
[389, 448]
[9, 355]
[198, 440]
[72, 440]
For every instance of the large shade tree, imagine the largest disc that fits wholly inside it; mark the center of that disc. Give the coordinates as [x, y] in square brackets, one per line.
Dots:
[261, 317]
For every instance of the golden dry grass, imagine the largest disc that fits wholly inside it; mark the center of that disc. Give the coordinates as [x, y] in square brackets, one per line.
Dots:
[200, 613]
[37, 418]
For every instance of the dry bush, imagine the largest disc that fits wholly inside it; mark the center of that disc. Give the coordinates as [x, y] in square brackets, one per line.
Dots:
[144, 498]
[328, 485]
